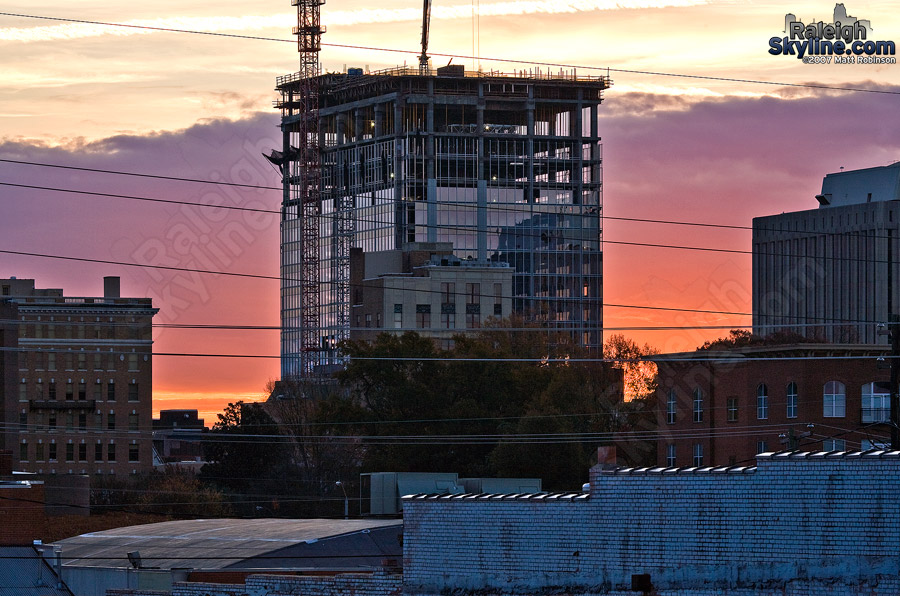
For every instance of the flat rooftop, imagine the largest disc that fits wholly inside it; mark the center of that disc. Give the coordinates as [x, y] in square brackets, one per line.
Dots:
[240, 544]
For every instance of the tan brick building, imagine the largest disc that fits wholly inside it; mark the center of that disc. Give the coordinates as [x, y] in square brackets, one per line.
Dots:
[81, 399]
[424, 288]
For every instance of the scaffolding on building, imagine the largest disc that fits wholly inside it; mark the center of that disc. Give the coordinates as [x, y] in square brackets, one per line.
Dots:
[506, 166]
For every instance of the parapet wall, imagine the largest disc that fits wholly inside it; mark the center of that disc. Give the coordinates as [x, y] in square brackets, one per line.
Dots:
[787, 525]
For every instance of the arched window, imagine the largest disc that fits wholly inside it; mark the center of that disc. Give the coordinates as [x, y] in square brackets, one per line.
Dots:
[876, 402]
[762, 401]
[792, 400]
[670, 407]
[834, 400]
[698, 405]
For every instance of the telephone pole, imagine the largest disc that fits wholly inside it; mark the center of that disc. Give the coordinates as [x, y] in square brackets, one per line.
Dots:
[893, 333]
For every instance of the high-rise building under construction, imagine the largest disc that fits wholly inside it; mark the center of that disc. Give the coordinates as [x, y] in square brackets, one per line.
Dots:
[506, 167]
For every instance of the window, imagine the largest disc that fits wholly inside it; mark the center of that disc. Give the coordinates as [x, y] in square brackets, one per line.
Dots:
[82, 452]
[133, 452]
[876, 402]
[762, 401]
[698, 454]
[52, 451]
[670, 455]
[732, 409]
[82, 421]
[867, 444]
[51, 361]
[82, 361]
[111, 452]
[698, 405]
[792, 400]
[82, 391]
[133, 392]
[98, 452]
[133, 421]
[473, 293]
[761, 447]
[670, 407]
[111, 391]
[834, 445]
[52, 389]
[132, 362]
[834, 400]
[398, 316]
[70, 391]
[23, 419]
[368, 321]
[23, 451]
[423, 316]
[111, 421]
[70, 452]
[448, 320]
[39, 452]
[448, 292]
[51, 420]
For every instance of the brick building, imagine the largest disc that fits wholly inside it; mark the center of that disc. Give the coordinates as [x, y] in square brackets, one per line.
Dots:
[723, 407]
[80, 402]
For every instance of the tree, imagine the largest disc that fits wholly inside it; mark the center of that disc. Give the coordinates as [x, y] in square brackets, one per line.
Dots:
[324, 452]
[245, 449]
[178, 492]
[743, 338]
[640, 374]
[431, 410]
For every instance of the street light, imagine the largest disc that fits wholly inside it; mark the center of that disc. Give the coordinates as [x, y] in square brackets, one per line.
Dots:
[346, 500]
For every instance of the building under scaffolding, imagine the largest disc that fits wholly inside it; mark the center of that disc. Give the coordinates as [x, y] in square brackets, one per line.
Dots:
[507, 168]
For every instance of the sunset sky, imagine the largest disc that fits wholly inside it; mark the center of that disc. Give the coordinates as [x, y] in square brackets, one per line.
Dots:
[195, 106]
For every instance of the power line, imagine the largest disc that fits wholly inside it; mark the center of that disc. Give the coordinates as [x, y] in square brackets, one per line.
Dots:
[496, 208]
[394, 330]
[534, 233]
[544, 360]
[138, 174]
[463, 56]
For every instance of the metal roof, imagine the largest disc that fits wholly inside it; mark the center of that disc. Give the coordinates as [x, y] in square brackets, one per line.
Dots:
[24, 573]
[239, 543]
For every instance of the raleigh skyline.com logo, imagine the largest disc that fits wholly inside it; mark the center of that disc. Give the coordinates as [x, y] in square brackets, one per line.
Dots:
[845, 40]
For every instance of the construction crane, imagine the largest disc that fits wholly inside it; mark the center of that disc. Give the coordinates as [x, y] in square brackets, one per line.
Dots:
[426, 23]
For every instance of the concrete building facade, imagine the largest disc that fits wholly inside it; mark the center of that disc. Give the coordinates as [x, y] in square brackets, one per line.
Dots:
[507, 169]
[832, 273]
[717, 408]
[82, 397]
[427, 289]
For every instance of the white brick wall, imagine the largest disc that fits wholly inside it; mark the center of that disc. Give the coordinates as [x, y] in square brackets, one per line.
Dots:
[799, 525]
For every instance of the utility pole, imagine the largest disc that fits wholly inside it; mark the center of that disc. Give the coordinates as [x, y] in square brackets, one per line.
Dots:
[893, 333]
[894, 336]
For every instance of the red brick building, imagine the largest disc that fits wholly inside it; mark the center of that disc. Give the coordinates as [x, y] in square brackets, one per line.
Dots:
[723, 407]
[80, 400]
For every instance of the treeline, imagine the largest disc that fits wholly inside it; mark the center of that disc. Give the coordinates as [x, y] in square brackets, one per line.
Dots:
[499, 404]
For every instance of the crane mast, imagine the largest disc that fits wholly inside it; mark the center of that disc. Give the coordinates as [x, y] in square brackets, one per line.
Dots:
[426, 23]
